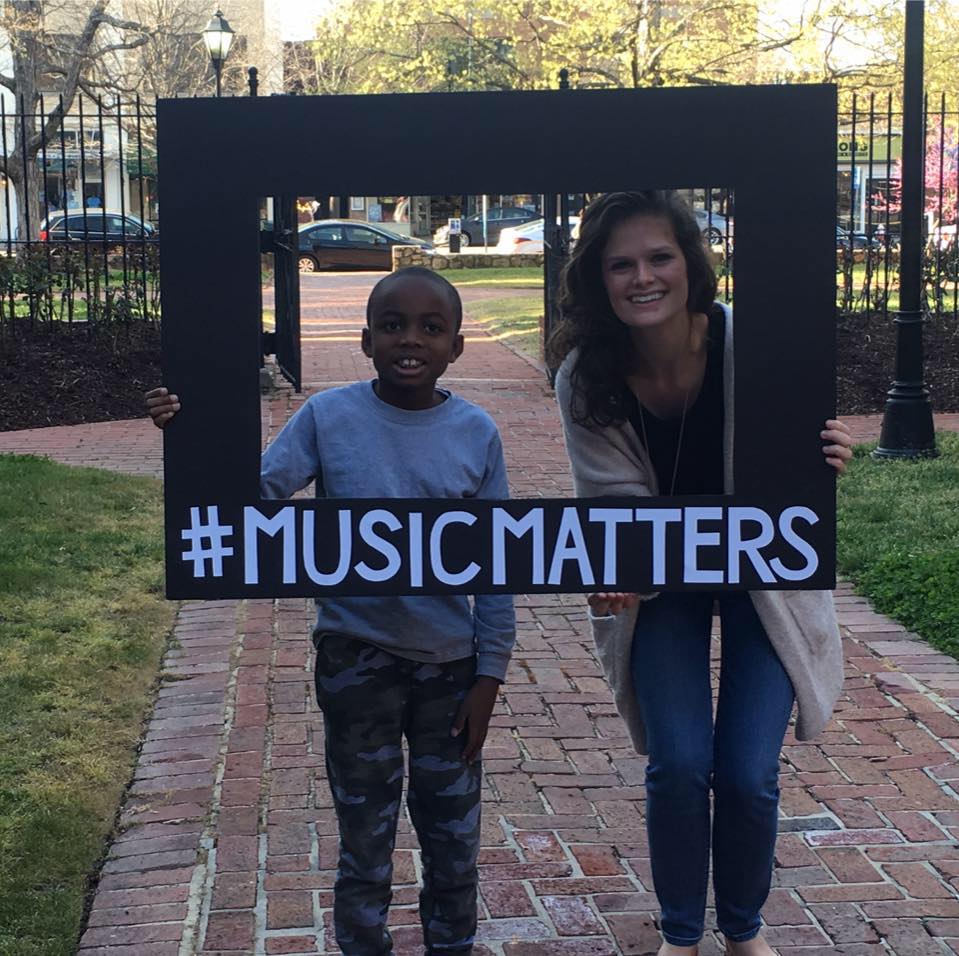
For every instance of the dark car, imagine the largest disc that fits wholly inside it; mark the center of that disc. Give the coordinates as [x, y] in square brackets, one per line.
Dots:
[342, 244]
[94, 225]
[498, 218]
[853, 245]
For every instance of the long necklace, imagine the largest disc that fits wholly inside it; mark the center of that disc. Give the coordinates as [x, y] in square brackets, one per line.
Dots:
[682, 428]
[679, 441]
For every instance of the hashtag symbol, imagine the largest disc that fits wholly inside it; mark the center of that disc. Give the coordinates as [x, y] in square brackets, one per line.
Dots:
[214, 533]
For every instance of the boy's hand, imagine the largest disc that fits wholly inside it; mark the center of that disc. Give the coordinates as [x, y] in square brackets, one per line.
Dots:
[603, 603]
[474, 715]
[161, 405]
[838, 449]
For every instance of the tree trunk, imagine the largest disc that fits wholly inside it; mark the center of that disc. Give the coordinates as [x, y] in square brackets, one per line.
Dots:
[28, 60]
[27, 190]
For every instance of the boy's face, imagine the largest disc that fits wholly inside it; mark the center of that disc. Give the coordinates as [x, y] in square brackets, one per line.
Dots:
[411, 338]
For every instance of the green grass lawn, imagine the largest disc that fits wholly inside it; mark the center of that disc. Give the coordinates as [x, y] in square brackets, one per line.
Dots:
[898, 539]
[885, 284]
[82, 626]
[514, 319]
[521, 277]
[882, 283]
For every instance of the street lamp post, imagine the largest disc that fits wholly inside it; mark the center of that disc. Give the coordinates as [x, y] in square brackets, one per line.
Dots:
[217, 38]
[907, 425]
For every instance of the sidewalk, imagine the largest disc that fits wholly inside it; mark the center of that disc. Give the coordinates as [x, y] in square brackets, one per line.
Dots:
[227, 842]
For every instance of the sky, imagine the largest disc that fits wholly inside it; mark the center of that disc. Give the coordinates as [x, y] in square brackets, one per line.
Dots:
[298, 17]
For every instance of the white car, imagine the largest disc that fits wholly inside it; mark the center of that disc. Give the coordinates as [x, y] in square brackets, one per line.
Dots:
[943, 250]
[528, 238]
[714, 227]
[943, 236]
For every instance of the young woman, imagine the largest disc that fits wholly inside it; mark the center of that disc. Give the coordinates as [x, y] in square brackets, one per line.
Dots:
[645, 391]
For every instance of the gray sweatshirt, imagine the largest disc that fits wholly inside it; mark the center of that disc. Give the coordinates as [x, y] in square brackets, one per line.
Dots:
[353, 445]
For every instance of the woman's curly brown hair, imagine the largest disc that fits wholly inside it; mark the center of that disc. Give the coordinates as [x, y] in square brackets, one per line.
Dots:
[588, 323]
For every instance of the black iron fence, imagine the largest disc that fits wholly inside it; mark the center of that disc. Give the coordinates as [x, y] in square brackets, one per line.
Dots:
[78, 213]
[869, 207]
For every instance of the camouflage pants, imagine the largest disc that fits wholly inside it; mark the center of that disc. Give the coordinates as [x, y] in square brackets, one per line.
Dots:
[370, 699]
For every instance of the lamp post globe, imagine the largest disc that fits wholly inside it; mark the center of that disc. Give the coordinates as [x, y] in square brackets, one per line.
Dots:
[217, 38]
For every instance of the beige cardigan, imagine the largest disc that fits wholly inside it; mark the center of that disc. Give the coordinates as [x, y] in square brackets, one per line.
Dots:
[801, 624]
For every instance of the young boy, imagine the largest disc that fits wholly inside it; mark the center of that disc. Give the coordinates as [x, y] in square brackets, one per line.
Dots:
[424, 667]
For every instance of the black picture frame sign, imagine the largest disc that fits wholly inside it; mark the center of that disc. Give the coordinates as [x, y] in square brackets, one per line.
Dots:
[774, 146]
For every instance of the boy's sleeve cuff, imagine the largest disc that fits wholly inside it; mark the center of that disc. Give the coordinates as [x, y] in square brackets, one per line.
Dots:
[492, 665]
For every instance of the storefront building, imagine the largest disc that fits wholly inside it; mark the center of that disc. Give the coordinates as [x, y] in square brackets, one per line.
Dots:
[867, 180]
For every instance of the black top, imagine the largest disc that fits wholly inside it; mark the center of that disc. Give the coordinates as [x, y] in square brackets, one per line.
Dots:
[700, 470]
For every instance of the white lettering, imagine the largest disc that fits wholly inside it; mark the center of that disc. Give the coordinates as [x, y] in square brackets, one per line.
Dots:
[610, 517]
[393, 563]
[504, 522]
[570, 546]
[803, 547]
[738, 545]
[694, 539]
[283, 521]
[416, 549]
[309, 549]
[436, 554]
[659, 518]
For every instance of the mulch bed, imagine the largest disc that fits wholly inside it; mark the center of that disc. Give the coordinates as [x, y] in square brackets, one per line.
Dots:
[66, 376]
[865, 352]
[69, 375]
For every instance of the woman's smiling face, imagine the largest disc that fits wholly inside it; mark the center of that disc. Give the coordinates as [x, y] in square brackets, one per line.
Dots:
[644, 272]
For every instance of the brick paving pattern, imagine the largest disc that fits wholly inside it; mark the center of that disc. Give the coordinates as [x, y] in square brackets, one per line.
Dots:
[227, 840]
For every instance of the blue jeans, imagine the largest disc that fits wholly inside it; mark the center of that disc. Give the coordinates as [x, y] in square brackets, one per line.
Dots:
[738, 759]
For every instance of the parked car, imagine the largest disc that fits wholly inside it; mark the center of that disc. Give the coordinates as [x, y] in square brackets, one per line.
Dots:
[714, 227]
[942, 250]
[345, 244]
[498, 218]
[94, 225]
[855, 244]
[528, 239]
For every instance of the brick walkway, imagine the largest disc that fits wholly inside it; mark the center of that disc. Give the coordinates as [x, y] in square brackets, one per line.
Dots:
[227, 839]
